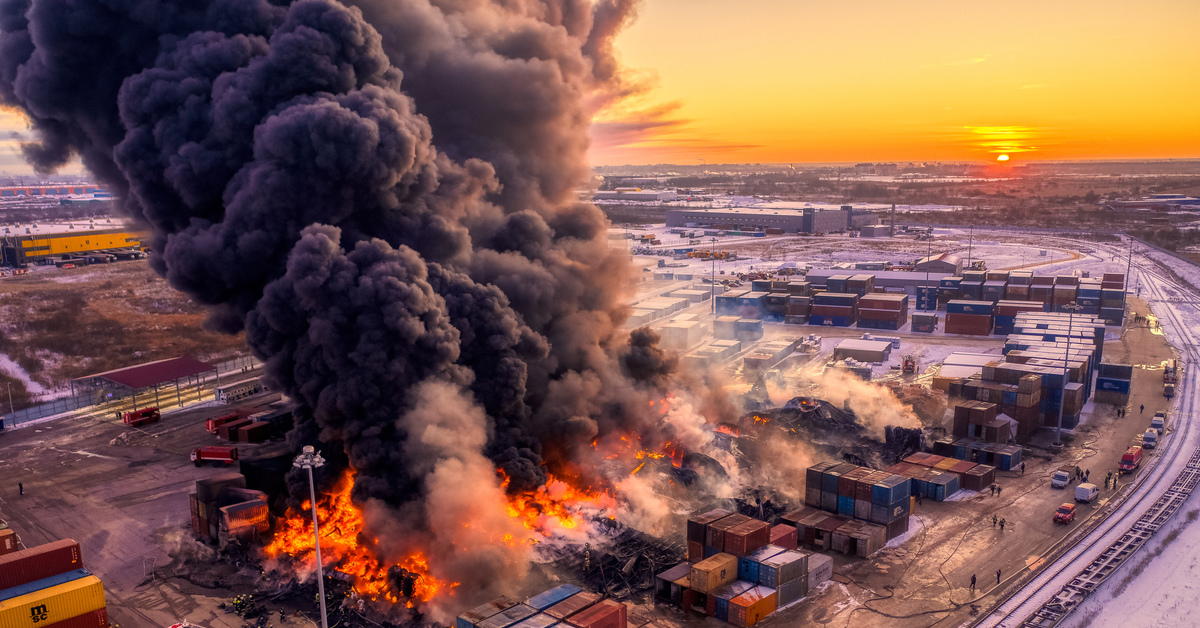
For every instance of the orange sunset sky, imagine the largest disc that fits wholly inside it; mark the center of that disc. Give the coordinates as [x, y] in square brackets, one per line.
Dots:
[875, 80]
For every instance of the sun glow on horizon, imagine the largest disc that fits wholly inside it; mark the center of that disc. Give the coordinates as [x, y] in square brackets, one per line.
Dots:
[1001, 157]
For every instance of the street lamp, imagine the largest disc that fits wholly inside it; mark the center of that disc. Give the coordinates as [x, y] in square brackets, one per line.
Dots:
[1072, 308]
[712, 289]
[309, 460]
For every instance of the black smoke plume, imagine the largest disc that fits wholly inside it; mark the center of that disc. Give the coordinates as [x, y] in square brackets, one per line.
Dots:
[381, 194]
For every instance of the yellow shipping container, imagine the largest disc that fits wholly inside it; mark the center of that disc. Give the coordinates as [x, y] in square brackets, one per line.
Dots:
[54, 604]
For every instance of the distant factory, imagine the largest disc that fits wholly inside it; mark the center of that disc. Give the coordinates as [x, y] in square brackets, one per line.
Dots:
[12, 192]
[1157, 202]
[774, 218]
[39, 243]
[637, 195]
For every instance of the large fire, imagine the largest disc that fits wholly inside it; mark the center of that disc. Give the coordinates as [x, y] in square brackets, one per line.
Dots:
[341, 526]
[557, 507]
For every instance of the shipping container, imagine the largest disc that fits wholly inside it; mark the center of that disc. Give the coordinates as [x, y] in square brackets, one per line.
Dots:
[8, 541]
[55, 604]
[477, 615]
[537, 621]
[256, 432]
[790, 592]
[891, 490]
[722, 596]
[820, 569]
[747, 537]
[748, 566]
[44, 583]
[783, 567]
[831, 321]
[664, 586]
[752, 606]
[785, 536]
[95, 619]
[508, 616]
[712, 573]
[895, 528]
[695, 552]
[697, 527]
[36, 563]
[603, 614]
[716, 530]
[208, 490]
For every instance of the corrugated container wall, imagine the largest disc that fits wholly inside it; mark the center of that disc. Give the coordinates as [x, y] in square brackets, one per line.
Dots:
[55, 604]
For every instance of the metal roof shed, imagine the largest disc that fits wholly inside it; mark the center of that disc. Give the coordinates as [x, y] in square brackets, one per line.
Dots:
[132, 379]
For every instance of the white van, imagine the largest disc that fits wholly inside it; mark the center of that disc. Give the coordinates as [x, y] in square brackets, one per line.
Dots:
[1086, 492]
[1150, 438]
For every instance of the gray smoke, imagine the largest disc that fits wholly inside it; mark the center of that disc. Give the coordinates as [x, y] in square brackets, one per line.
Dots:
[381, 196]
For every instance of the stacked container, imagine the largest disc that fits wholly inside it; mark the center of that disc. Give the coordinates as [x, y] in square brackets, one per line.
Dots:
[883, 311]
[1113, 383]
[924, 323]
[969, 317]
[222, 508]
[48, 585]
[836, 309]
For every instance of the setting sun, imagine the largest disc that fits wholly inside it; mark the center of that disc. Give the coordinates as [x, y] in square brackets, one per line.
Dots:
[1001, 157]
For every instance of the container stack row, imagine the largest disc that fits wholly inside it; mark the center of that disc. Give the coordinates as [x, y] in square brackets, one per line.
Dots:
[49, 586]
[737, 328]
[936, 486]
[564, 606]
[883, 311]
[1112, 383]
[741, 570]
[834, 309]
[1103, 297]
[222, 508]
[878, 498]
[1002, 457]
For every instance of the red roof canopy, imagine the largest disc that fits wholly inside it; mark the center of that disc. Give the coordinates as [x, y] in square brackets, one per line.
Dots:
[152, 373]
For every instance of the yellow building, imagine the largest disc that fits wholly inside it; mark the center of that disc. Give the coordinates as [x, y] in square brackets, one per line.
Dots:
[29, 245]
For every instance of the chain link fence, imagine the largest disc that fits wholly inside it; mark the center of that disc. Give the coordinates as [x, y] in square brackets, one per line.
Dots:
[95, 397]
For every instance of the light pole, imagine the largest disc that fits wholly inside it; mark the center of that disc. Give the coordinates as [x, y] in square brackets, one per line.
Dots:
[712, 296]
[1071, 308]
[309, 460]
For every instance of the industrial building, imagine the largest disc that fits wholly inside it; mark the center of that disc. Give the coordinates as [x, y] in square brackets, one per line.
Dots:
[890, 281]
[48, 190]
[31, 244]
[777, 217]
[636, 195]
[941, 263]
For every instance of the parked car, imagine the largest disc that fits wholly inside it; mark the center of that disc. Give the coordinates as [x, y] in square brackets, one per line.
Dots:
[1065, 513]
[1150, 438]
[1168, 390]
[1159, 422]
[1131, 460]
[1086, 492]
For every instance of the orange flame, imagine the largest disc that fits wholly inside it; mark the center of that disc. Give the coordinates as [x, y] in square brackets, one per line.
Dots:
[341, 527]
[556, 506]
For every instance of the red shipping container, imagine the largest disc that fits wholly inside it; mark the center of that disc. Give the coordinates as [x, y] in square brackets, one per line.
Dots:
[8, 541]
[747, 537]
[695, 552]
[95, 619]
[872, 314]
[39, 562]
[784, 536]
[229, 430]
[603, 614]
[969, 324]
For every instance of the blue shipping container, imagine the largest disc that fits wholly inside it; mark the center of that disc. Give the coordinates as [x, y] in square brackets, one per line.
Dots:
[1115, 385]
[845, 506]
[545, 600]
[962, 306]
[891, 490]
[748, 565]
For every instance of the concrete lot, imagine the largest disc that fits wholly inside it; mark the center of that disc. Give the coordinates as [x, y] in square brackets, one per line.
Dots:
[926, 580]
[126, 504]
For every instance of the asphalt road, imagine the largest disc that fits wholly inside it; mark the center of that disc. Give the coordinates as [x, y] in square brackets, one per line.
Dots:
[126, 504]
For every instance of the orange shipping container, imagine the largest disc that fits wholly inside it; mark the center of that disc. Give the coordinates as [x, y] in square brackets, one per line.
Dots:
[752, 606]
[8, 541]
[714, 572]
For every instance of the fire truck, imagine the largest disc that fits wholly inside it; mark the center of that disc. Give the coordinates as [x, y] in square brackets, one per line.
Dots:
[145, 416]
[214, 453]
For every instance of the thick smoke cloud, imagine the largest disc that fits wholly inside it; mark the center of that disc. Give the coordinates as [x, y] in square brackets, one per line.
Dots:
[381, 196]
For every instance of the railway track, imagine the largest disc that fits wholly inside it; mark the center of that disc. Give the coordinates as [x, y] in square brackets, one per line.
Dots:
[1088, 560]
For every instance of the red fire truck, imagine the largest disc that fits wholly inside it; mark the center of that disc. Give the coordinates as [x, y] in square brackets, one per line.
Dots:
[214, 425]
[214, 453]
[145, 416]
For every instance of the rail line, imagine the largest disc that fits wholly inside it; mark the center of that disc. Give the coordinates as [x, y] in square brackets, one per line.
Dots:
[1079, 569]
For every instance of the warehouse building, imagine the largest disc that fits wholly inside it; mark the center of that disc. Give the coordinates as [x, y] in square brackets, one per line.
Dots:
[786, 218]
[637, 195]
[888, 281]
[32, 244]
[941, 263]
[48, 190]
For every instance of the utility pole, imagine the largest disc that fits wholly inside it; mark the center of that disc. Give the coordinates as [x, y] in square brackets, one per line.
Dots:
[308, 460]
[1071, 309]
[712, 289]
[1129, 266]
[10, 403]
[970, 242]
